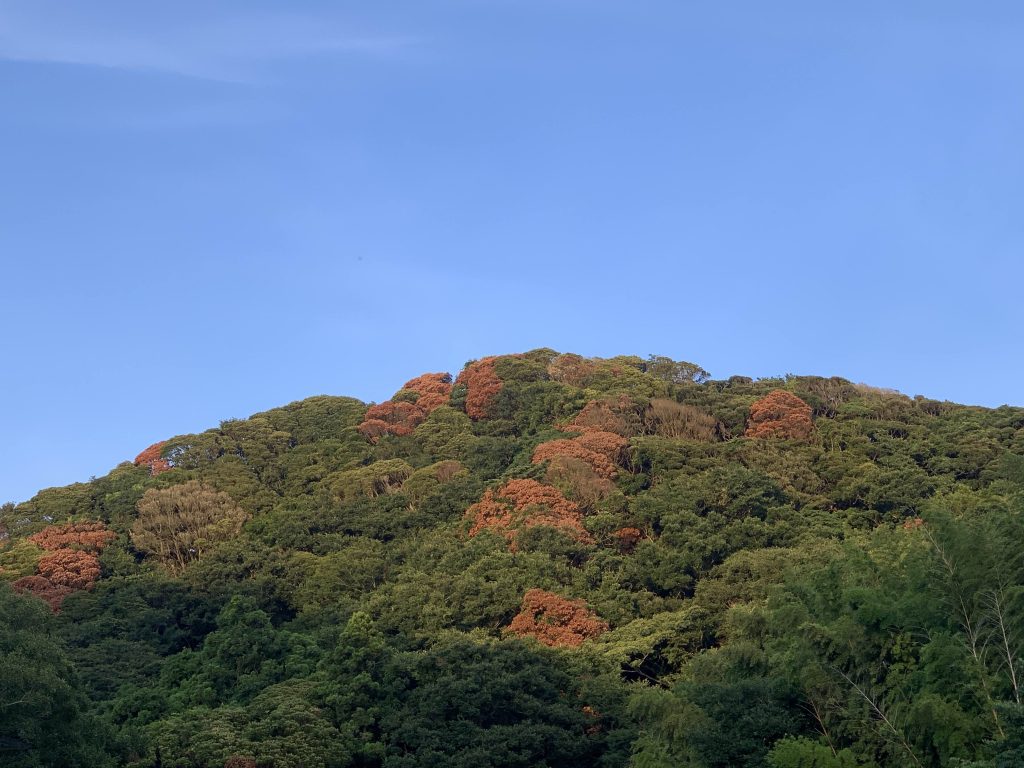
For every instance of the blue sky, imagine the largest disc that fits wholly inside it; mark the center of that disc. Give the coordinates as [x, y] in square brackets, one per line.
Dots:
[212, 208]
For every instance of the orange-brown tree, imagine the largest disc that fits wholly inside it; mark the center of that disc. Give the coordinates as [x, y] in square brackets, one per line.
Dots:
[482, 386]
[391, 418]
[152, 458]
[70, 568]
[409, 407]
[555, 621]
[572, 449]
[70, 563]
[601, 450]
[59, 573]
[432, 389]
[608, 444]
[780, 414]
[89, 537]
[524, 503]
[44, 589]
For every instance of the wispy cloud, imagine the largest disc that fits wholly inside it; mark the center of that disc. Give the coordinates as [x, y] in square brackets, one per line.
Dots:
[241, 48]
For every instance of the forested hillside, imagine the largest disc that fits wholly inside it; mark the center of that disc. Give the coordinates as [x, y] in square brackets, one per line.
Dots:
[548, 561]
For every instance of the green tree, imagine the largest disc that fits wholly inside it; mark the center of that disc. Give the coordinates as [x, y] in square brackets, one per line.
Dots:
[43, 723]
[177, 525]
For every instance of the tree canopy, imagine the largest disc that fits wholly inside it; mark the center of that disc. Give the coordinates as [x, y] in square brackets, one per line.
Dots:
[546, 560]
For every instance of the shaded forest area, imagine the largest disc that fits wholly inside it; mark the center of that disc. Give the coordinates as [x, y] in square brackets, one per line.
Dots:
[550, 560]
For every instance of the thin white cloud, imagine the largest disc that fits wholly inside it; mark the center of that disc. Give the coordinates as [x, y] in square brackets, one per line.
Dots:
[239, 49]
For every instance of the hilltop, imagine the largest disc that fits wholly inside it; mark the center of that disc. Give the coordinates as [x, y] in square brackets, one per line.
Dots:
[545, 560]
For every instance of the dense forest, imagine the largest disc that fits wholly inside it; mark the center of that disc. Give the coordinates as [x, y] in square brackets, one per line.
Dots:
[549, 560]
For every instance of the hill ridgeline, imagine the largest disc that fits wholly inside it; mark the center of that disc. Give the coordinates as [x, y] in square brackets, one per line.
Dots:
[546, 560]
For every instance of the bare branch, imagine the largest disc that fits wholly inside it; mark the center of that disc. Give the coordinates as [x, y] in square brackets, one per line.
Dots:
[883, 718]
[997, 604]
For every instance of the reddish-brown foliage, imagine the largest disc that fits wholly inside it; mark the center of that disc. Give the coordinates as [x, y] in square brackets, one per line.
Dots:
[555, 621]
[782, 415]
[432, 401]
[600, 463]
[523, 503]
[237, 761]
[373, 429]
[627, 538]
[601, 450]
[434, 390]
[400, 416]
[390, 417]
[70, 563]
[482, 385]
[44, 589]
[608, 444]
[90, 537]
[70, 568]
[151, 458]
